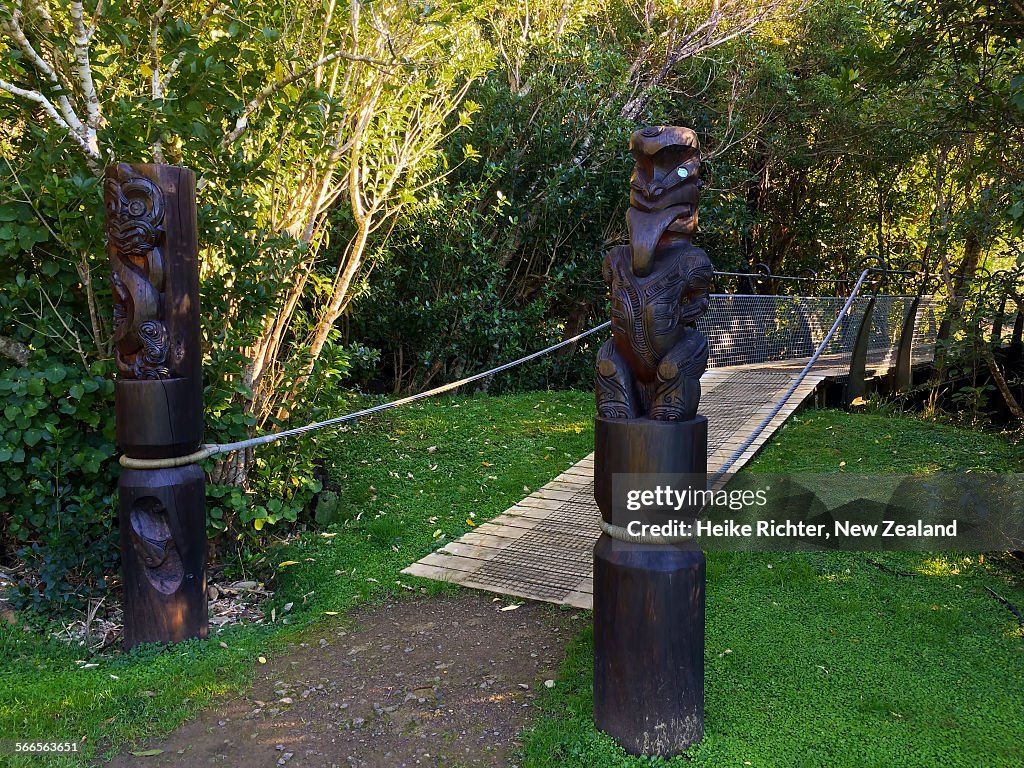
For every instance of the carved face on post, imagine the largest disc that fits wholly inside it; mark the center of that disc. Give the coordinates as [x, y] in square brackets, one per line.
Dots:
[663, 191]
[135, 231]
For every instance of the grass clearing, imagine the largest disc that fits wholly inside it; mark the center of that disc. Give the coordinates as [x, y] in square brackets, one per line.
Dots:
[833, 661]
[396, 494]
[825, 659]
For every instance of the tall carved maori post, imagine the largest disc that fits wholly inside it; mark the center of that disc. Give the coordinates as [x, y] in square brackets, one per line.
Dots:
[153, 251]
[649, 590]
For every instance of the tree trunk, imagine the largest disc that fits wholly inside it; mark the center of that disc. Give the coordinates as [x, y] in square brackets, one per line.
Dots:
[1004, 388]
[757, 188]
[14, 350]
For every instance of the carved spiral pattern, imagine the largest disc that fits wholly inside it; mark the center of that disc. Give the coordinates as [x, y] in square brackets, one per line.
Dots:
[135, 232]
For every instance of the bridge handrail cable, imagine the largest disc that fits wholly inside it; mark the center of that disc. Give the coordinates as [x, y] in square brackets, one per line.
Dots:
[802, 375]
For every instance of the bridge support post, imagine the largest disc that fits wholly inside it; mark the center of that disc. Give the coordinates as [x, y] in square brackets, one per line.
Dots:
[855, 383]
[903, 370]
[997, 322]
[1017, 340]
[153, 251]
[648, 598]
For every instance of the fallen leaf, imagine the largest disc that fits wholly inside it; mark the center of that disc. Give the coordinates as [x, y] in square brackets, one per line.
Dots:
[470, 523]
[148, 753]
[510, 607]
[549, 683]
[330, 613]
[432, 449]
[485, 463]
[286, 563]
[262, 659]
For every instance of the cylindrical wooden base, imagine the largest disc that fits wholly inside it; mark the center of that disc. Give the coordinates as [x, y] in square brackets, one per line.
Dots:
[159, 418]
[648, 598]
[163, 554]
[639, 446]
[649, 646]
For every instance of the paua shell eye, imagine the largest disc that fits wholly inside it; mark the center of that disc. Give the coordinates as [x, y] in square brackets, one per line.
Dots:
[683, 173]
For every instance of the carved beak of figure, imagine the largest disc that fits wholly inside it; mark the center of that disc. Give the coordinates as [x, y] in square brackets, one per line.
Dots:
[663, 190]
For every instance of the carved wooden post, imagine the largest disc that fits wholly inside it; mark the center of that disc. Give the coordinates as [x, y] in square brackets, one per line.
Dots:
[153, 251]
[649, 593]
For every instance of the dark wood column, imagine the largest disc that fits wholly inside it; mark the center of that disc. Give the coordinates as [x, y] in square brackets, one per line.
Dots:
[153, 250]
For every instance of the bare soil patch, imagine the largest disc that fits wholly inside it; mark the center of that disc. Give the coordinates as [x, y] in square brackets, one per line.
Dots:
[443, 681]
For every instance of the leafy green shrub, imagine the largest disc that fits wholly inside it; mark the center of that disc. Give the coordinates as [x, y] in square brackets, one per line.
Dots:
[57, 485]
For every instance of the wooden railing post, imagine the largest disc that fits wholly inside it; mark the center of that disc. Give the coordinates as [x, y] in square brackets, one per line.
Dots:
[153, 251]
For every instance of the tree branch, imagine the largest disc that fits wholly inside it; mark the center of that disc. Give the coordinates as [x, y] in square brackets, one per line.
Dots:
[83, 69]
[13, 28]
[243, 120]
[92, 156]
[156, 83]
[211, 9]
[1004, 388]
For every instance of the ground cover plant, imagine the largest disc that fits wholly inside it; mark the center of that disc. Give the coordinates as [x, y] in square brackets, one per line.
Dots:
[801, 655]
[840, 659]
[408, 480]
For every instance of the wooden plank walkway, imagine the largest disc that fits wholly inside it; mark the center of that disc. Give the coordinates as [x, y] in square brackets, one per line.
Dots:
[541, 548]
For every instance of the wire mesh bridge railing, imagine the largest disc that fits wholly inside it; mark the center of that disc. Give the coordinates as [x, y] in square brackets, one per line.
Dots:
[750, 329]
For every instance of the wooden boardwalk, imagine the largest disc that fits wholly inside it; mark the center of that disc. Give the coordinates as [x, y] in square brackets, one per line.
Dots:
[542, 548]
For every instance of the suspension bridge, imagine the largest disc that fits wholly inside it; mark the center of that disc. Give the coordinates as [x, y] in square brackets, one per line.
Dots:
[770, 355]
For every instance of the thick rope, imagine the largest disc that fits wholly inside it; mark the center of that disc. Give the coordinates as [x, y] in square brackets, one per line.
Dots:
[208, 450]
[619, 533]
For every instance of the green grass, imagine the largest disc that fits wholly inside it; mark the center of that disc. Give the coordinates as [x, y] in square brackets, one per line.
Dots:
[824, 659]
[917, 670]
[819, 441]
[396, 495]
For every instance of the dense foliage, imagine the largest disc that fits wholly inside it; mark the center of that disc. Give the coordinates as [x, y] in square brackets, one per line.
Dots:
[394, 195]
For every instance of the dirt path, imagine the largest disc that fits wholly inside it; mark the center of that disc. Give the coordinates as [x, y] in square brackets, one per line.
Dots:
[442, 682]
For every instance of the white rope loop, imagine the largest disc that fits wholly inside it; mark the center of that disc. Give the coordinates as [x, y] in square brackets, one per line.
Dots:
[619, 533]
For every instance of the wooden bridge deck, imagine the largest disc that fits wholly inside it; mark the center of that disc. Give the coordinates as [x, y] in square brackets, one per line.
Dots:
[541, 548]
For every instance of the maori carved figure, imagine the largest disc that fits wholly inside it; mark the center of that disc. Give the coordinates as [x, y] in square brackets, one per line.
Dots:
[135, 233]
[660, 284]
[154, 258]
